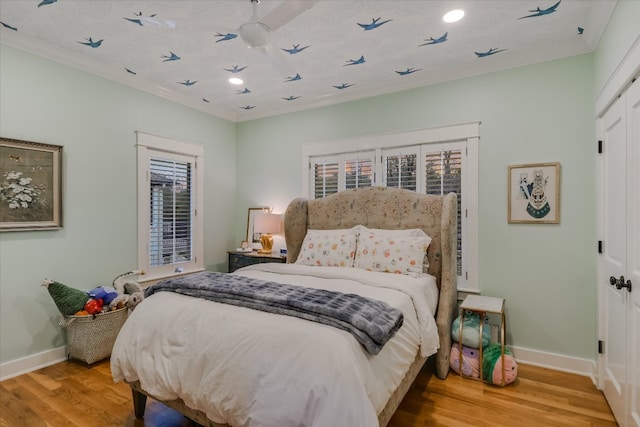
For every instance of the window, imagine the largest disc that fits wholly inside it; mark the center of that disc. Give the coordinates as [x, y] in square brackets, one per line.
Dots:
[169, 217]
[431, 161]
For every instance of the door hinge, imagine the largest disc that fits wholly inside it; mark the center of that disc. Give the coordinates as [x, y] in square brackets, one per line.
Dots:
[600, 347]
[600, 246]
[599, 146]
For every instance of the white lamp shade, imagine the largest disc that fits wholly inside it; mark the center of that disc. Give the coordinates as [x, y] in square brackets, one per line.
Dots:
[266, 223]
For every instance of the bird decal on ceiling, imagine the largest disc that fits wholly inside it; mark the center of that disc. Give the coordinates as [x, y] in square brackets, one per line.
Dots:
[491, 51]
[245, 90]
[373, 25]
[408, 71]
[580, 31]
[187, 82]
[296, 49]
[171, 57]
[293, 79]
[542, 12]
[291, 98]
[93, 44]
[344, 86]
[9, 27]
[205, 100]
[130, 71]
[355, 61]
[139, 21]
[225, 37]
[46, 2]
[440, 39]
[248, 107]
[235, 69]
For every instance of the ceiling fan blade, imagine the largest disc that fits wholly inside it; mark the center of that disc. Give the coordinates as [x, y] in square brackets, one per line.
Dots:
[278, 60]
[285, 12]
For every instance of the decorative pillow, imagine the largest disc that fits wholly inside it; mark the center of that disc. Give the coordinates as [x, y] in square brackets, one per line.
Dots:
[328, 248]
[398, 234]
[377, 252]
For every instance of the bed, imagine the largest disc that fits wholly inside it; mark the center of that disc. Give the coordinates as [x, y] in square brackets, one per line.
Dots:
[221, 365]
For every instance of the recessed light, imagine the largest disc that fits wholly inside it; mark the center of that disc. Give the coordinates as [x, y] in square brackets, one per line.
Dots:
[453, 15]
[235, 81]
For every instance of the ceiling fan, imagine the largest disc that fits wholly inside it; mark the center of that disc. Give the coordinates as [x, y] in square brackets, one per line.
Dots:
[256, 33]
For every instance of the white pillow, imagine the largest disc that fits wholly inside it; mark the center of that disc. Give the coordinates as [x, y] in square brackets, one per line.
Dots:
[400, 234]
[402, 255]
[328, 248]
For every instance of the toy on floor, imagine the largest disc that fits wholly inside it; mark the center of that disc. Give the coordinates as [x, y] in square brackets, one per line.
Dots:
[470, 363]
[68, 300]
[492, 365]
[471, 330]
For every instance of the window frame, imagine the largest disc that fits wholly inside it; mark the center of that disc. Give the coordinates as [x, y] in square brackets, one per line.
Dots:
[465, 136]
[147, 147]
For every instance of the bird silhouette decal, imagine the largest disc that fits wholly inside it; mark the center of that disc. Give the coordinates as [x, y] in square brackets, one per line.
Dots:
[580, 30]
[542, 12]
[140, 20]
[93, 44]
[187, 82]
[46, 2]
[296, 49]
[355, 61]
[491, 51]
[248, 107]
[408, 71]
[130, 71]
[373, 25]
[431, 40]
[235, 69]
[225, 37]
[171, 57]
[344, 86]
[205, 99]
[8, 26]
[291, 98]
[293, 79]
[245, 90]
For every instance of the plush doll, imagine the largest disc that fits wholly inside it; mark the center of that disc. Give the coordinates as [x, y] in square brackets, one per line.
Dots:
[68, 300]
[471, 331]
[106, 294]
[130, 288]
[492, 365]
[470, 363]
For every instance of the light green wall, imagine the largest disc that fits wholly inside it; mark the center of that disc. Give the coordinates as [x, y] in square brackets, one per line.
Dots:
[538, 113]
[622, 31]
[94, 119]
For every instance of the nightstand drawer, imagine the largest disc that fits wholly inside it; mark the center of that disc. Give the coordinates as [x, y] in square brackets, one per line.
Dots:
[242, 259]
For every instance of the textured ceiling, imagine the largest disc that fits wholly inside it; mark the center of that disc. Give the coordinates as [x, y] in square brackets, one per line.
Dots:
[334, 51]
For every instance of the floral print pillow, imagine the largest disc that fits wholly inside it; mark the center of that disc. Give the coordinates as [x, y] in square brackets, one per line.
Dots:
[403, 255]
[328, 248]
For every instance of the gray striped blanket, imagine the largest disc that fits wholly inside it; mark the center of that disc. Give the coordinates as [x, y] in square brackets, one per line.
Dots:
[370, 321]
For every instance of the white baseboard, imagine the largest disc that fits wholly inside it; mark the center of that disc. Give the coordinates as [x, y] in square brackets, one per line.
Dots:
[31, 363]
[557, 362]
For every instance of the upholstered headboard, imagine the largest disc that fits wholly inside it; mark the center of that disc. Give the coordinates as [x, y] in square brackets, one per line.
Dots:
[390, 208]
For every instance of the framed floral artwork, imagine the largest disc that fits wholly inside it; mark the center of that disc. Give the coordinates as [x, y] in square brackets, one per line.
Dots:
[30, 185]
[534, 193]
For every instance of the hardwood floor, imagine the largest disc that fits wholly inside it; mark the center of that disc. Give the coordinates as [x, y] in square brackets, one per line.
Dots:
[70, 394]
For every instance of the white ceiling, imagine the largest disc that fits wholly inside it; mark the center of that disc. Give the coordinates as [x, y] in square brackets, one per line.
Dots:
[139, 36]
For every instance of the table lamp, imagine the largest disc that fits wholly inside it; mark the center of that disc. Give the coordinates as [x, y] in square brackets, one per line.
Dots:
[266, 224]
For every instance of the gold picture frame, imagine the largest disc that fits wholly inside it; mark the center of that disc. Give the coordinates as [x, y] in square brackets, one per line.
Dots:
[534, 193]
[254, 238]
[30, 185]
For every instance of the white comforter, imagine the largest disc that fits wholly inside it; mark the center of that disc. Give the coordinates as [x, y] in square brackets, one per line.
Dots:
[250, 368]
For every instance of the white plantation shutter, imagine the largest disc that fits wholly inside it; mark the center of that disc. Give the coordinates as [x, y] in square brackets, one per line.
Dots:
[171, 211]
[325, 178]
[443, 175]
[359, 172]
[331, 174]
[401, 168]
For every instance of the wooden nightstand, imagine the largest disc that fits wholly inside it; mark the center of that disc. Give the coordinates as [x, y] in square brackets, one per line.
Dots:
[242, 259]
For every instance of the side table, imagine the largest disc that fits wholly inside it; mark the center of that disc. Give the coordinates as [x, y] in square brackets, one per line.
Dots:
[482, 305]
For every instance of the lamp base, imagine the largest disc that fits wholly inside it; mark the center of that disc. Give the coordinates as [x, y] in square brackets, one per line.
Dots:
[266, 240]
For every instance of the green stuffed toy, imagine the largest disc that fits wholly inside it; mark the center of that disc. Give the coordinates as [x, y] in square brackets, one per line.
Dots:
[471, 330]
[68, 300]
[492, 365]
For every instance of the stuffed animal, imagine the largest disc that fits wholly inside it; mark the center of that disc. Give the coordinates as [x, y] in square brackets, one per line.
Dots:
[130, 288]
[492, 365]
[68, 300]
[471, 330]
[470, 363]
[106, 294]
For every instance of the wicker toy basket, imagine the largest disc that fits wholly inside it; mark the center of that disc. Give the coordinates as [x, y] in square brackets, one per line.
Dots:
[90, 338]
